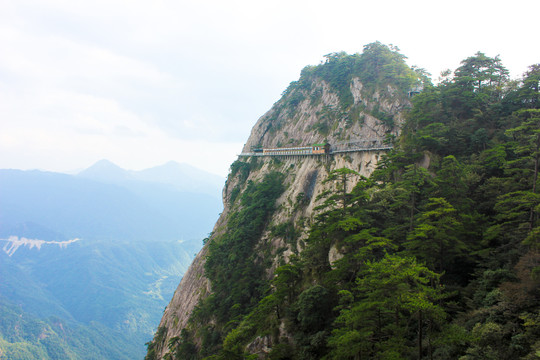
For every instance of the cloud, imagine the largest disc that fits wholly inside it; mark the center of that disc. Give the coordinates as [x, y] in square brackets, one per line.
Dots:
[81, 77]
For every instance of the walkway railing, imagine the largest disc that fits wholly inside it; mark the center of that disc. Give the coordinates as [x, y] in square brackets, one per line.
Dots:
[348, 147]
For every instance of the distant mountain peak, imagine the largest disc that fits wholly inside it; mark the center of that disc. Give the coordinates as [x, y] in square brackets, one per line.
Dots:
[172, 163]
[181, 176]
[106, 170]
[105, 162]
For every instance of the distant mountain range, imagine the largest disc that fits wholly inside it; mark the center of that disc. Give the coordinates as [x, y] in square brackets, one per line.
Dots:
[181, 177]
[89, 261]
[107, 202]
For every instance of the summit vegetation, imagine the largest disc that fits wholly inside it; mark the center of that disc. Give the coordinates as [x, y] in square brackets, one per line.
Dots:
[438, 250]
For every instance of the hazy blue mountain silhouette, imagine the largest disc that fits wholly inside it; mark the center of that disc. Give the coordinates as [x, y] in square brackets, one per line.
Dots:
[106, 171]
[139, 231]
[180, 177]
[119, 208]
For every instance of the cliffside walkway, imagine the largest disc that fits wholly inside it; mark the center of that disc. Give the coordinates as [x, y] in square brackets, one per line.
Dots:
[359, 146]
[339, 148]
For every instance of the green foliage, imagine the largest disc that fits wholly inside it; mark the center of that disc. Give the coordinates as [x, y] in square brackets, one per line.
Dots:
[483, 75]
[435, 238]
[234, 194]
[232, 263]
[295, 97]
[159, 338]
[386, 119]
[435, 256]
[235, 268]
[391, 292]
[311, 316]
[312, 309]
[24, 336]
[286, 231]
[385, 65]
[377, 66]
[322, 127]
[182, 347]
[243, 168]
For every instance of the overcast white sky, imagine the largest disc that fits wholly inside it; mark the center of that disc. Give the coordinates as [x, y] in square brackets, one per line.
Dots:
[141, 83]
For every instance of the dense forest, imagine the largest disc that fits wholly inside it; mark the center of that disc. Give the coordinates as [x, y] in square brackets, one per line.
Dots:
[438, 250]
[24, 336]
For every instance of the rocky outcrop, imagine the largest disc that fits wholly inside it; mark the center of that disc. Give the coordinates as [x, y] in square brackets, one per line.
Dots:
[319, 117]
[304, 116]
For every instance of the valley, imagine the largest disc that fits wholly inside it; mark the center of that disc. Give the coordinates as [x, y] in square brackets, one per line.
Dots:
[89, 261]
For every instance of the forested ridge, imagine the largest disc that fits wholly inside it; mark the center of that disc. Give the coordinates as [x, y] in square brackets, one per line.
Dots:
[438, 250]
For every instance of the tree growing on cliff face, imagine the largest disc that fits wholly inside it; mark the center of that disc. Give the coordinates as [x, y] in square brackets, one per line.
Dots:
[529, 92]
[435, 238]
[341, 177]
[482, 74]
[390, 295]
[435, 256]
[384, 64]
[516, 209]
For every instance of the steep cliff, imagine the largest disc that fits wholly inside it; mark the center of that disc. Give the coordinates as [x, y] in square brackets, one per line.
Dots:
[435, 255]
[347, 99]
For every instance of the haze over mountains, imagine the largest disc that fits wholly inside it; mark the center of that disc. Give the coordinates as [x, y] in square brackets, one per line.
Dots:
[89, 257]
[182, 177]
[170, 202]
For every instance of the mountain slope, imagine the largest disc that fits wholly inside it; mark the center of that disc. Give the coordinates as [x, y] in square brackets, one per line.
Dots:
[172, 175]
[78, 207]
[325, 105]
[434, 255]
[106, 171]
[87, 266]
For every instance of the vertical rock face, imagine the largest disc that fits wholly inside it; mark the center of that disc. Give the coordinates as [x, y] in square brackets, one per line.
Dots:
[320, 117]
[312, 110]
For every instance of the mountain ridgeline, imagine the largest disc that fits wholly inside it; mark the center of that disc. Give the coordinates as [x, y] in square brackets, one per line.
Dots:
[89, 261]
[425, 250]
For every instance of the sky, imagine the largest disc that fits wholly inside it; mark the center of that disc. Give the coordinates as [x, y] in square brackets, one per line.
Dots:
[141, 83]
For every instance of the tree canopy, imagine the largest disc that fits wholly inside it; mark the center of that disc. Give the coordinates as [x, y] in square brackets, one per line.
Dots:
[435, 262]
